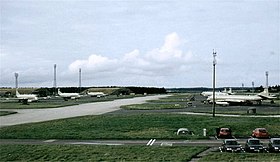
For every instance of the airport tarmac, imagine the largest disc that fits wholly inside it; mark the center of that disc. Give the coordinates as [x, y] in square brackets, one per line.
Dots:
[39, 115]
[199, 108]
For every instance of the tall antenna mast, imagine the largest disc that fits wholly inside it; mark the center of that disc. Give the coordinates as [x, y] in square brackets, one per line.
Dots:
[16, 76]
[214, 81]
[266, 74]
[80, 79]
[54, 79]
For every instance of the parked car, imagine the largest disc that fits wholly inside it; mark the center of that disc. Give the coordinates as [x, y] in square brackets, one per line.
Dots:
[274, 145]
[260, 133]
[254, 145]
[231, 145]
[223, 132]
[184, 131]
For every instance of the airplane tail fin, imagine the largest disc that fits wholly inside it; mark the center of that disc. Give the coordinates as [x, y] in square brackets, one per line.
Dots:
[17, 93]
[59, 92]
[230, 91]
[264, 92]
[265, 95]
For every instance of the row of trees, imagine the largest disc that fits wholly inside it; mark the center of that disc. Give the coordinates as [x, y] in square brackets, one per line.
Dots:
[272, 89]
[118, 91]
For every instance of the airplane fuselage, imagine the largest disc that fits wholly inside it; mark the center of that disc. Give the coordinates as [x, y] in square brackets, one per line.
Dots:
[96, 94]
[28, 97]
[67, 96]
[236, 99]
[208, 93]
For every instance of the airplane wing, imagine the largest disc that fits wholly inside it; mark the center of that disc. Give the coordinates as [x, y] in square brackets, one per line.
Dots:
[226, 102]
[266, 97]
[234, 100]
[222, 103]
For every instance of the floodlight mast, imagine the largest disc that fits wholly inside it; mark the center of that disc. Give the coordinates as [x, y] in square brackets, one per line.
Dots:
[214, 81]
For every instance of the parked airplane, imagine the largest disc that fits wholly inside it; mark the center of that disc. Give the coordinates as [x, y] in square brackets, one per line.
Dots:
[96, 94]
[240, 99]
[210, 93]
[26, 97]
[67, 96]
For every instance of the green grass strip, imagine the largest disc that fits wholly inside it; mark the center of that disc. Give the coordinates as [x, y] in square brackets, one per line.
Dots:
[96, 153]
[137, 126]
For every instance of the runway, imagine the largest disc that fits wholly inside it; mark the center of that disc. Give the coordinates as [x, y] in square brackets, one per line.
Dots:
[39, 115]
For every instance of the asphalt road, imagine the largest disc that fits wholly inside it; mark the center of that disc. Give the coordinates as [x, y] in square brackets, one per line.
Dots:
[97, 108]
[149, 142]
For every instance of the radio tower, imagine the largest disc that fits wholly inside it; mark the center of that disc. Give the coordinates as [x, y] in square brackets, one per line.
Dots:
[16, 76]
[214, 81]
[80, 79]
[54, 79]
[266, 74]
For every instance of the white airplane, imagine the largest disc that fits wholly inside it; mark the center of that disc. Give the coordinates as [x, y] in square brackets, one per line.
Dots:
[67, 96]
[210, 93]
[26, 97]
[240, 99]
[96, 94]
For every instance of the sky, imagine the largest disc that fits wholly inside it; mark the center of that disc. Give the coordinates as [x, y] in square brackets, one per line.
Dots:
[158, 43]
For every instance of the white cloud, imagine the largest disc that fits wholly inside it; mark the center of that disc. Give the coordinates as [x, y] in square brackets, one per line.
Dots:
[169, 51]
[166, 60]
[94, 63]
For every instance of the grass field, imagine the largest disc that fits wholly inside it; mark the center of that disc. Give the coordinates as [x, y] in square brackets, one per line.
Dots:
[137, 126]
[236, 157]
[37, 105]
[238, 110]
[3, 113]
[96, 153]
[177, 101]
[153, 106]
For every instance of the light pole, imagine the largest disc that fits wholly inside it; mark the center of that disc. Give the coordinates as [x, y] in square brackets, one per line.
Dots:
[214, 81]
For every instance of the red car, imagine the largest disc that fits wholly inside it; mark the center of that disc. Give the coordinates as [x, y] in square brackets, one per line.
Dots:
[260, 133]
[223, 132]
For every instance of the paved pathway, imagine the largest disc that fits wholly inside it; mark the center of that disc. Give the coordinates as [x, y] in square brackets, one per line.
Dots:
[97, 108]
[148, 142]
